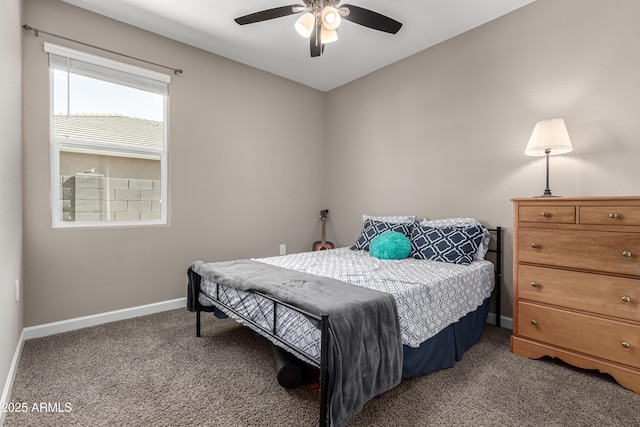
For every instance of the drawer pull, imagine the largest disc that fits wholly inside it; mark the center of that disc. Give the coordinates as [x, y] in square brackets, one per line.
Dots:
[535, 284]
[626, 299]
[626, 254]
[534, 322]
[626, 344]
[545, 214]
[614, 215]
[536, 246]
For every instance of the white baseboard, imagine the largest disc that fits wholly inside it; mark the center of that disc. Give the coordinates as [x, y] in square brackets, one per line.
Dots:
[79, 323]
[8, 385]
[101, 318]
[505, 322]
[142, 310]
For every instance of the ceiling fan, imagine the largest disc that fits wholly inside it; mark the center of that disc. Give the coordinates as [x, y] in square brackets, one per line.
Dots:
[321, 18]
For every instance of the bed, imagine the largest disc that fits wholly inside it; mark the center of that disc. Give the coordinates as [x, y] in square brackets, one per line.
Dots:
[440, 308]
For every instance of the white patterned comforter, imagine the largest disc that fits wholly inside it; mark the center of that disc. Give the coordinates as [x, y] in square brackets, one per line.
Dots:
[430, 295]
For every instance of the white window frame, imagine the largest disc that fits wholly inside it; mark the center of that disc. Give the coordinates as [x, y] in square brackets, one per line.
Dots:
[58, 145]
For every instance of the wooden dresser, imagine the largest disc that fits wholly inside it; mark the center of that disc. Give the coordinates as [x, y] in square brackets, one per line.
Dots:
[577, 283]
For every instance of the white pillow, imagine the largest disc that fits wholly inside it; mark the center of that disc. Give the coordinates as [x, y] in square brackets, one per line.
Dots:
[391, 219]
[462, 222]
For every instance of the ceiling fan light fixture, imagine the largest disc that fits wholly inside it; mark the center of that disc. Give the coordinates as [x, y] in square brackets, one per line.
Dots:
[304, 25]
[328, 36]
[330, 18]
[321, 18]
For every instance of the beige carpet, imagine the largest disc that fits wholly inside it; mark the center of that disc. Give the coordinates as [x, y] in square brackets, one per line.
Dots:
[153, 371]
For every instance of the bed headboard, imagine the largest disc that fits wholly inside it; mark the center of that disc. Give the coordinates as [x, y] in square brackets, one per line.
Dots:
[497, 232]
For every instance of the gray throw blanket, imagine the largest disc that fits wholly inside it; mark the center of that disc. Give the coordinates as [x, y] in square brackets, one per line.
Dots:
[365, 347]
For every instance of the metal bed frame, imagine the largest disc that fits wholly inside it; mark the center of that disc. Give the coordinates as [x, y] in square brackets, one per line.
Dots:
[323, 321]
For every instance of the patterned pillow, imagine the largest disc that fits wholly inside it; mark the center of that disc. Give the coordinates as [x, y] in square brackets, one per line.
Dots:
[405, 219]
[462, 222]
[447, 244]
[372, 228]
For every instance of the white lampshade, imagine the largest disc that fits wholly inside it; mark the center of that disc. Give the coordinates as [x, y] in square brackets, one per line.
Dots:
[549, 134]
[304, 25]
[328, 36]
[330, 18]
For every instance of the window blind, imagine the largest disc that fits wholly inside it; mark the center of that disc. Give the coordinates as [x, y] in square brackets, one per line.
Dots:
[88, 65]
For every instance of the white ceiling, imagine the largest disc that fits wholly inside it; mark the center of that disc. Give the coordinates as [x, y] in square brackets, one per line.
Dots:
[276, 47]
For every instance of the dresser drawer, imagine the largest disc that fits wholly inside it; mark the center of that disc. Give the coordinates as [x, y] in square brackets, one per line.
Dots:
[607, 339]
[586, 250]
[596, 293]
[610, 215]
[547, 214]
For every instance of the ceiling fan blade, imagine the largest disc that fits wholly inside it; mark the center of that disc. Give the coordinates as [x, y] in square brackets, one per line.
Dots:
[265, 15]
[371, 19]
[315, 41]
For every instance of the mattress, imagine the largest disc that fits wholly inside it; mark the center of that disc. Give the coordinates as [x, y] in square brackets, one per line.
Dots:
[430, 295]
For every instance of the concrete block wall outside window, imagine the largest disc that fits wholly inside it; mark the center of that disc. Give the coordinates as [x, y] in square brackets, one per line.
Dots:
[94, 197]
[108, 156]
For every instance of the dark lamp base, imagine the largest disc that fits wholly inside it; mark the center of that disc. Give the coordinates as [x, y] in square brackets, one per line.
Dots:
[547, 193]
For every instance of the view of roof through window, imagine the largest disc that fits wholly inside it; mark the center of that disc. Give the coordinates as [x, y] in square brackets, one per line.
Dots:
[110, 128]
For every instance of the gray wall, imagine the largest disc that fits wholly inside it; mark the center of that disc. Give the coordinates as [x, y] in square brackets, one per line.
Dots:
[242, 179]
[442, 133]
[10, 181]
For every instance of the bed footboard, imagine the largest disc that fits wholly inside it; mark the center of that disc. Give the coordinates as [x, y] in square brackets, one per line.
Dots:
[323, 322]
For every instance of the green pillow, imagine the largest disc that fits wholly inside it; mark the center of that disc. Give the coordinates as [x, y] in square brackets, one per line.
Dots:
[390, 245]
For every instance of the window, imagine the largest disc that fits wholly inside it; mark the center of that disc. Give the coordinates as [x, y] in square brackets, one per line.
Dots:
[108, 141]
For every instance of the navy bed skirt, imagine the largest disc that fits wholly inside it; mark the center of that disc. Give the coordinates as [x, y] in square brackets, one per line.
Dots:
[444, 349]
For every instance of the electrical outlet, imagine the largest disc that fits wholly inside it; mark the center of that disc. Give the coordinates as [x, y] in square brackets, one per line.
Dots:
[17, 290]
[283, 248]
